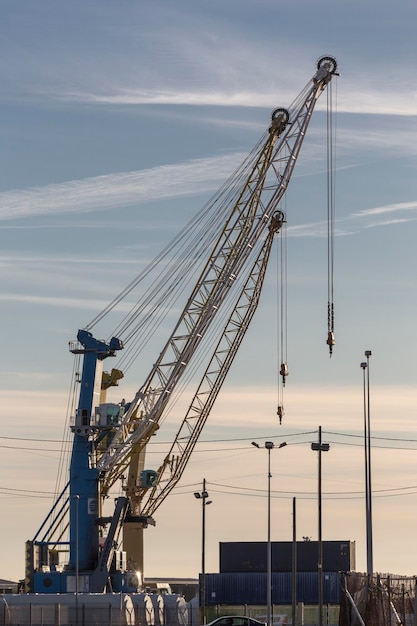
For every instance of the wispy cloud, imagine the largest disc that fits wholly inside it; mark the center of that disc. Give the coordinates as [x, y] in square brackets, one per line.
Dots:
[389, 208]
[192, 58]
[110, 191]
[225, 89]
[115, 190]
[368, 218]
[360, 100]
[68, 303]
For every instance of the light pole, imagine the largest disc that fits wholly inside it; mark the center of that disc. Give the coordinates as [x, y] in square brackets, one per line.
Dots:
[269, 445]
[203, 495]
[320, 447]
[367, 446]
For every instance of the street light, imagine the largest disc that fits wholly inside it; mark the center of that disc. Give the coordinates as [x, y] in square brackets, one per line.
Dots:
[367, 446]
[320, 447]
[269, 445]
[203, 495]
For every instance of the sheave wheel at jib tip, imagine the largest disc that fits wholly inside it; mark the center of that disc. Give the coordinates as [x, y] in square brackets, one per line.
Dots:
[281, 112]
[330, 60]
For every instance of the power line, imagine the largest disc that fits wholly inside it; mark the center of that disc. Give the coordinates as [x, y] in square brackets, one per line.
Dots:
[245, 492]
[226, 440]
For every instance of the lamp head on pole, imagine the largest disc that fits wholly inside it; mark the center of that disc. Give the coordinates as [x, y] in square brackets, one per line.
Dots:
[368, 353]
[364, 365]
[317, 447]
[269, 445]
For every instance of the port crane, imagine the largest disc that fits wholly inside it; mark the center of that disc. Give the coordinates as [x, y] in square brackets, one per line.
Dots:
[110, 439]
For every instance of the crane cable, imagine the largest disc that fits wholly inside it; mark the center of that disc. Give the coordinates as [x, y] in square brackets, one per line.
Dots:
[178, 260]
[65, 452]
[331, 137]
[161, 288]
[282, 316]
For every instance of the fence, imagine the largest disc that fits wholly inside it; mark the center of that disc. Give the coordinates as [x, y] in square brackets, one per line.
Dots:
[307, 615]
[379, 600]
[91, 610]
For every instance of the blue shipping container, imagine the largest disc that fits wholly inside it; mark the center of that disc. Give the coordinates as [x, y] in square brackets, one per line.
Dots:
[251, 556]
[250, 588]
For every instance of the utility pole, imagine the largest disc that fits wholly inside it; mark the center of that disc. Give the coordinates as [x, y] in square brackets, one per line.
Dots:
[294, 563]
[320, 447]
[204, 502]
[367, 446]
[269, 445]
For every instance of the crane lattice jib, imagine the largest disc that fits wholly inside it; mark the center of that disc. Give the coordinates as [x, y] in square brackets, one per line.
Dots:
[232, 336]
[248, 221]
[176, 459]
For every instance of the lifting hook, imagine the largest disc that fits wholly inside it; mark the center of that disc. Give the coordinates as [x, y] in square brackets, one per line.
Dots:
[283, 372]
[331, 341]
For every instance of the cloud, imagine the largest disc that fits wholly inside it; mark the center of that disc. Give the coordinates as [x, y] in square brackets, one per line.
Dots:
[115, 190]
[168, 181]
[371, 218]
[191, 59]
[389, 208]
[358, 101]
[368, 218]
[50, 301]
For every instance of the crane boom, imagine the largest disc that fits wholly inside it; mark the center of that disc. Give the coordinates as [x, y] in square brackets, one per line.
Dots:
[246, 223]
[232, 336]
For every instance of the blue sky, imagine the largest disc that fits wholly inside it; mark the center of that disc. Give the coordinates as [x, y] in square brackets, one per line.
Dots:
[118, 121]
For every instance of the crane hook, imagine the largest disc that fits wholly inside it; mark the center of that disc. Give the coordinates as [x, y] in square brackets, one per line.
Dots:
[284, 372]
[331, 341]
[280, 413]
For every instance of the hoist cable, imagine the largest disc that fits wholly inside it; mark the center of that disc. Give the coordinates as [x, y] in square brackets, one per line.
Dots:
[212, 212]
[282, 324]
[284, 316]
[330, 198]
[284, 287]
[278, 325]
[330, 219]
[158, 302]
[65, 450]
[178, 261]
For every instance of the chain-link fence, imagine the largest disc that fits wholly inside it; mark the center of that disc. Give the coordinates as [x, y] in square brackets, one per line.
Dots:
[306, 615]
[378, 600]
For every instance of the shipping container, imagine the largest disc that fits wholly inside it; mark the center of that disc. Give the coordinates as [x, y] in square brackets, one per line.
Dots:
[250, 588]
[251, 556]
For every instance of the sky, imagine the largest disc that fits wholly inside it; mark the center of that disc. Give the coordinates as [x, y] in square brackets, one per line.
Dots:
[118, 121]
